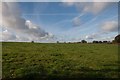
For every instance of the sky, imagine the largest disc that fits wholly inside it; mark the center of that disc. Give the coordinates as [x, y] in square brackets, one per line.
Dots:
[59, 21]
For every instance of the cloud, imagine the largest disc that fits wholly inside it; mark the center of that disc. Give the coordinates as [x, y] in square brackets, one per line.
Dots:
[110, 26]
[69, 2]
[8, 36]
[92, 36]
[89, 0]
[12, 20]
[76, 22]
[104, 31]
[35, 30]
[110, 38]
[11, 16]
[100, 37]
[93, 6]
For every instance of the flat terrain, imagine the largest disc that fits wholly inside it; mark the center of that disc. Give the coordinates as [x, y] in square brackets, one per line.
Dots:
[59, 60]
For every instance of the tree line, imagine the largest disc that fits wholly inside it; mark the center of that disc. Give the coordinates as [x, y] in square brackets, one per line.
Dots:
[116, 40]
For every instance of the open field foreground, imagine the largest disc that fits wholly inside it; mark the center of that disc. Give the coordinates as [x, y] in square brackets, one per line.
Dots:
[59, 60]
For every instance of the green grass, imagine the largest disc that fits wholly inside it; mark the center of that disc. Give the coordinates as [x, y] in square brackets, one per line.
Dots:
[37, 60]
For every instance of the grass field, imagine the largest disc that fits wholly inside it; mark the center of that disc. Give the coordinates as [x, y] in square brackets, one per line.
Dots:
[50, 60]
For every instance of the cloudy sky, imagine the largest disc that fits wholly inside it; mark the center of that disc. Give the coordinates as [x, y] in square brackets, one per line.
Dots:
[58, 21]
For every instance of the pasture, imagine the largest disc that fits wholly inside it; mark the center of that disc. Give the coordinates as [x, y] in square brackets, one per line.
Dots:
[59, 60]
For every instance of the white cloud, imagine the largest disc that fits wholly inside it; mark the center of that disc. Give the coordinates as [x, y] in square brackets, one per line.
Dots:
[35, 30]
[92, 36]
[93, 6]
[7, 36]
[99, 37]
[12, 20]
[110, 26]
[110, 38]
[11, 16]
[69, 2]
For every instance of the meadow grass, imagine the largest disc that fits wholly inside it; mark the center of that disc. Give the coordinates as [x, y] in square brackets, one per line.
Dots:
[59, 60]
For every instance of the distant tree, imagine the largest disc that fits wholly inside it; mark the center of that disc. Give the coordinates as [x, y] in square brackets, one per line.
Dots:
[95, 42]
[57, 41]
[32, 41]
[69, 42]
[64, 42]
[78, 42]
[100, 42]
[83, 41]
[113, 41]
[105, 41]
[117, 38]
[109, 42]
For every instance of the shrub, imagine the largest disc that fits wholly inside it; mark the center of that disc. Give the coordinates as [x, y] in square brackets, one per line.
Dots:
[32, 41]
[83, 41]
[117, 38]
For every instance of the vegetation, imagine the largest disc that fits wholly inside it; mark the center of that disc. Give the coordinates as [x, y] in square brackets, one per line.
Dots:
[83, 41]
[32, 41]
[117, 39]
[33, 61]
[57, 41]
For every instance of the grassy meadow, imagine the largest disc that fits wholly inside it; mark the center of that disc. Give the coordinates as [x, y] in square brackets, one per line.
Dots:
[59, 60]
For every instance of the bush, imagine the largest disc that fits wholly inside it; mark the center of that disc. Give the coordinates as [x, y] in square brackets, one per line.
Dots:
[83, 41]
[95, 41]
[117, 38]
[57, 41]
[32, 42]
[105, 41]
[100, 41]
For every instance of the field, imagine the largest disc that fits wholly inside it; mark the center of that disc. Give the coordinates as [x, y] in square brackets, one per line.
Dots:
[59, 60]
